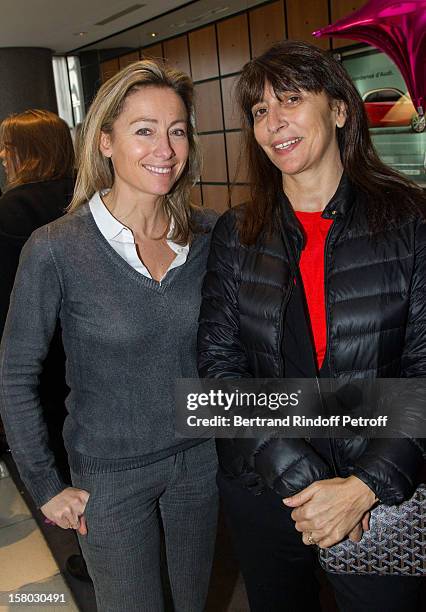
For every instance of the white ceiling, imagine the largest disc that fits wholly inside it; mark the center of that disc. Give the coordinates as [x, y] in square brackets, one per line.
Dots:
[56, 24]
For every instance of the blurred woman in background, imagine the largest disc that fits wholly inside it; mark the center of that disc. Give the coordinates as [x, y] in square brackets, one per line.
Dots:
[37, 154]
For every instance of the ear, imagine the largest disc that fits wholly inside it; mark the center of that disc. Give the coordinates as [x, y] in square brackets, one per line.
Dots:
[105, 144]
[341, 113]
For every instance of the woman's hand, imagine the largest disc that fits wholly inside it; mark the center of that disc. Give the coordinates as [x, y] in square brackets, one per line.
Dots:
[328, 510]
[66, 509]
[356, 533]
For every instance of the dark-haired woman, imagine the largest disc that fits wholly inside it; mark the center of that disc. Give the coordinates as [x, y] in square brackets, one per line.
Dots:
[322, 273]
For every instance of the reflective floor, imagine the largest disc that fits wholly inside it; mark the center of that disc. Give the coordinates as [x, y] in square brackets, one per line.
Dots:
[33, 554]
[28, 571]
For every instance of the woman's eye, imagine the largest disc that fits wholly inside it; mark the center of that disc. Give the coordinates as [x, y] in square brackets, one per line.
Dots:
[143, 132]
[258, 112]
[179, 132]
[293, 99]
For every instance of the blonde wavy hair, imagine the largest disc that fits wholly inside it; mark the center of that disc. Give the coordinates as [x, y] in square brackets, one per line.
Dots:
[95, 171]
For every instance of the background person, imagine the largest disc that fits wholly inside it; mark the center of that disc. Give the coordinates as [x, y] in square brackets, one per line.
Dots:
[38, 157]
[122, 272]
[322, 273]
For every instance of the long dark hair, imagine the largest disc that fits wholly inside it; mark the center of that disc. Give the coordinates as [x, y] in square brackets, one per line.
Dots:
[295, 66]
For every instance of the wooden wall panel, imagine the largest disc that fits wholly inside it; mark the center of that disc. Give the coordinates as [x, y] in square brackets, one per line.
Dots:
[202, 48]
[302, 20]
[208, 106]
[154, 52]
[239, 194]
[233, 39]
[214, 159]
[196, 195]
[216, 51]
[342, 8]
[339, 9]
[230, 110]
[176, 54]
[267, 26]
[109, 68]
[236, 164]
[216, 197]
[129, 58]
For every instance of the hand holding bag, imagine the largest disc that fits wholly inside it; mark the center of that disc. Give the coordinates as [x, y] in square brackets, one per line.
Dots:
[395, 544]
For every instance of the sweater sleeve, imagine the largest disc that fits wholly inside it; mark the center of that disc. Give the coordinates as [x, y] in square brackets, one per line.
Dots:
[34, 309]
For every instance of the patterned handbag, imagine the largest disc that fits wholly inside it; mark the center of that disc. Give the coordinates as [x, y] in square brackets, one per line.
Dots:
[395, 543]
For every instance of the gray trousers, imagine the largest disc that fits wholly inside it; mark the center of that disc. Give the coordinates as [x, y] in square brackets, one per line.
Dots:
[124, 515]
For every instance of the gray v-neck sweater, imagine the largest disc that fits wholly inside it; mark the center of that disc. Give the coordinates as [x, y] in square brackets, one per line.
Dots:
[127, 338]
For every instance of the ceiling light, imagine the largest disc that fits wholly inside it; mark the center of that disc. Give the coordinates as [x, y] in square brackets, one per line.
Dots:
[198, 17]
[126, 11]
[221, 9]
[154, 34]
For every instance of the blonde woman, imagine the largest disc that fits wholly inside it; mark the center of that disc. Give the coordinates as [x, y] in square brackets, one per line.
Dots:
[122, 272]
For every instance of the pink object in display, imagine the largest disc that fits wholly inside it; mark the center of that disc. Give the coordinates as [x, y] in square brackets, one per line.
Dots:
[398, 29]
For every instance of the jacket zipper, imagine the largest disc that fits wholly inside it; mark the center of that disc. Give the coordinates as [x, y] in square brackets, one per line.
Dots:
[330, 440]
[289, 251]
[283, 308]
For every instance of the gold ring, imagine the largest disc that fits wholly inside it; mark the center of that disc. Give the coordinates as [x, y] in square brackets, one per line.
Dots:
[311, 540]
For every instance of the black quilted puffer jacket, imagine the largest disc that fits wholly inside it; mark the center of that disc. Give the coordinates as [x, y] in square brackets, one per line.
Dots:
[376, 327]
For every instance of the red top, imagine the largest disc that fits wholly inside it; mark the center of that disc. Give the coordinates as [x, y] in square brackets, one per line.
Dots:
[312, 271]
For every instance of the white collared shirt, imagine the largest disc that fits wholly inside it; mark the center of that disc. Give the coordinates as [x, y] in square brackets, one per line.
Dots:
[122, 240]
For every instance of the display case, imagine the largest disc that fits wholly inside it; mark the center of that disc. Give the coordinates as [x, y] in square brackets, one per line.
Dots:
[397, 131]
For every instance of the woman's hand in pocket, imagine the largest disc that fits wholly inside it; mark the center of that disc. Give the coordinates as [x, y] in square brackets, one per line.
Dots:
[67, 509]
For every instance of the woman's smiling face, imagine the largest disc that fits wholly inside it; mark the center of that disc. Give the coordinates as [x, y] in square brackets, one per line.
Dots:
[297, 130]
[148, 145]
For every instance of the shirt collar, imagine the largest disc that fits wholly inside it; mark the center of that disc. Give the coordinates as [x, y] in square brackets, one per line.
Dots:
[112, 228]
[106, 222]
[338, 206]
